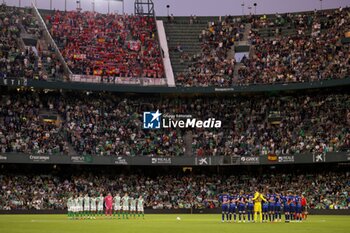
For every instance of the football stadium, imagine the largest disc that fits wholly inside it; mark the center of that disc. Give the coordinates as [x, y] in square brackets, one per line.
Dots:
[174, 116]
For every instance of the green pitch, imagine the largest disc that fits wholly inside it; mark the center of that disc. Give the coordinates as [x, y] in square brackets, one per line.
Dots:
[165, 224]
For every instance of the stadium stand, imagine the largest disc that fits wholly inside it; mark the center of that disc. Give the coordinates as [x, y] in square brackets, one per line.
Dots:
[107, 45]
[299, 47]
[23, 52]
[251, 126]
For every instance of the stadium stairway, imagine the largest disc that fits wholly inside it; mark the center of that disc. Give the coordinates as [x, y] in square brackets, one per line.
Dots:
[187, 36]
[188, 139]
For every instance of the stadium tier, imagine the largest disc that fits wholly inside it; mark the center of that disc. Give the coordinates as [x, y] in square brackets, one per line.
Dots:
[203, 51]
[110, 124]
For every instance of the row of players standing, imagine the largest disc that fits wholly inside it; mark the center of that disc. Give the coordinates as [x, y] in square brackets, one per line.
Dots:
[85, 207]
[292, 205]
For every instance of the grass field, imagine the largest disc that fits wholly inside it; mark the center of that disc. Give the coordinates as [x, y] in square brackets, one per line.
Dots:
[165, 224]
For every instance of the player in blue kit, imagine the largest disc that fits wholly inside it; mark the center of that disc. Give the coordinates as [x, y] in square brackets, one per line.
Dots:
[271, 199]
[233, 207]
[298, 209]
[241, 202]
[291, 201]
[278, 204]
[286, 208]
[250, 207]
[265, 211]
[225, 202]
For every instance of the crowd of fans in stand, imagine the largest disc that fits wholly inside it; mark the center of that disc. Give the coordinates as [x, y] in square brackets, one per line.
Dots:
[322, 190]
[214, 65]
[23, 129]
[250, 126]
[20, 61]
[312, 52]
[107, 45]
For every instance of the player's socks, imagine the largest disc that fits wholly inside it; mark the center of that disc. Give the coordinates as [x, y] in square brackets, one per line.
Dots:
[222, 217]
[143, 215]
[234, 216]
[227, 216]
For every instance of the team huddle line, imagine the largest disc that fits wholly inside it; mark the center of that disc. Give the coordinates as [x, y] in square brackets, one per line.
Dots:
[86, 207]
[263, 208]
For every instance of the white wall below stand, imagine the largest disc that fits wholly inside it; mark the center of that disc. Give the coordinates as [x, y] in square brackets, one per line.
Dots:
[169, 74]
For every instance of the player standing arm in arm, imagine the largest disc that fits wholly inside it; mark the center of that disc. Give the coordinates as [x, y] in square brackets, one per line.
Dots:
[109, 205]
[86, 206]
[250, 207]
[258, 197]
[117, 206]
[93, 207]
[100, 204]
[233, 207]
[278, 203]
[75, 207]
[125, 200]
[81, 201]
[224, 199]
[70, 206]
[241, 206]
[140, 208]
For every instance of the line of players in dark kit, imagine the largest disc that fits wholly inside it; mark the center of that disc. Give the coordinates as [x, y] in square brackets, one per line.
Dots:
[292, 205]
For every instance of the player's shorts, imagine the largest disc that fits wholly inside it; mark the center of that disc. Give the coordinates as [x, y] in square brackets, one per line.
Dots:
[257, 207]
[140, 209]
[132, 208]
[232, 209]
[298, 209]
[250, 208]
[241, 208]
[93, 208]
[277, 208]
[271, 208]
[109, 207]
[126, 208]
[80, 208]
[292, 208]
[117, 207]
[286, 208]
[100, 208]
[86, 209]
[265, 209]
[303, 208]
[224, 208]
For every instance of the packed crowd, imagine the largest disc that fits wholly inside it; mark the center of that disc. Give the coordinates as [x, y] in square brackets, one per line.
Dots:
[314, 52]
[107, 45]
[214, 65]
[250, 126]
[20, 61]
[23, 128]
[322, 190]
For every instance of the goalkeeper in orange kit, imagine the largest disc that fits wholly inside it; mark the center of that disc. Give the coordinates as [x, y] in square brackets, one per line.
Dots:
[258, 198]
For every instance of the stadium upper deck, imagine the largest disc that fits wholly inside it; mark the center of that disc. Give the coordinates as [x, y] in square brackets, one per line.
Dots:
[287, 48]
